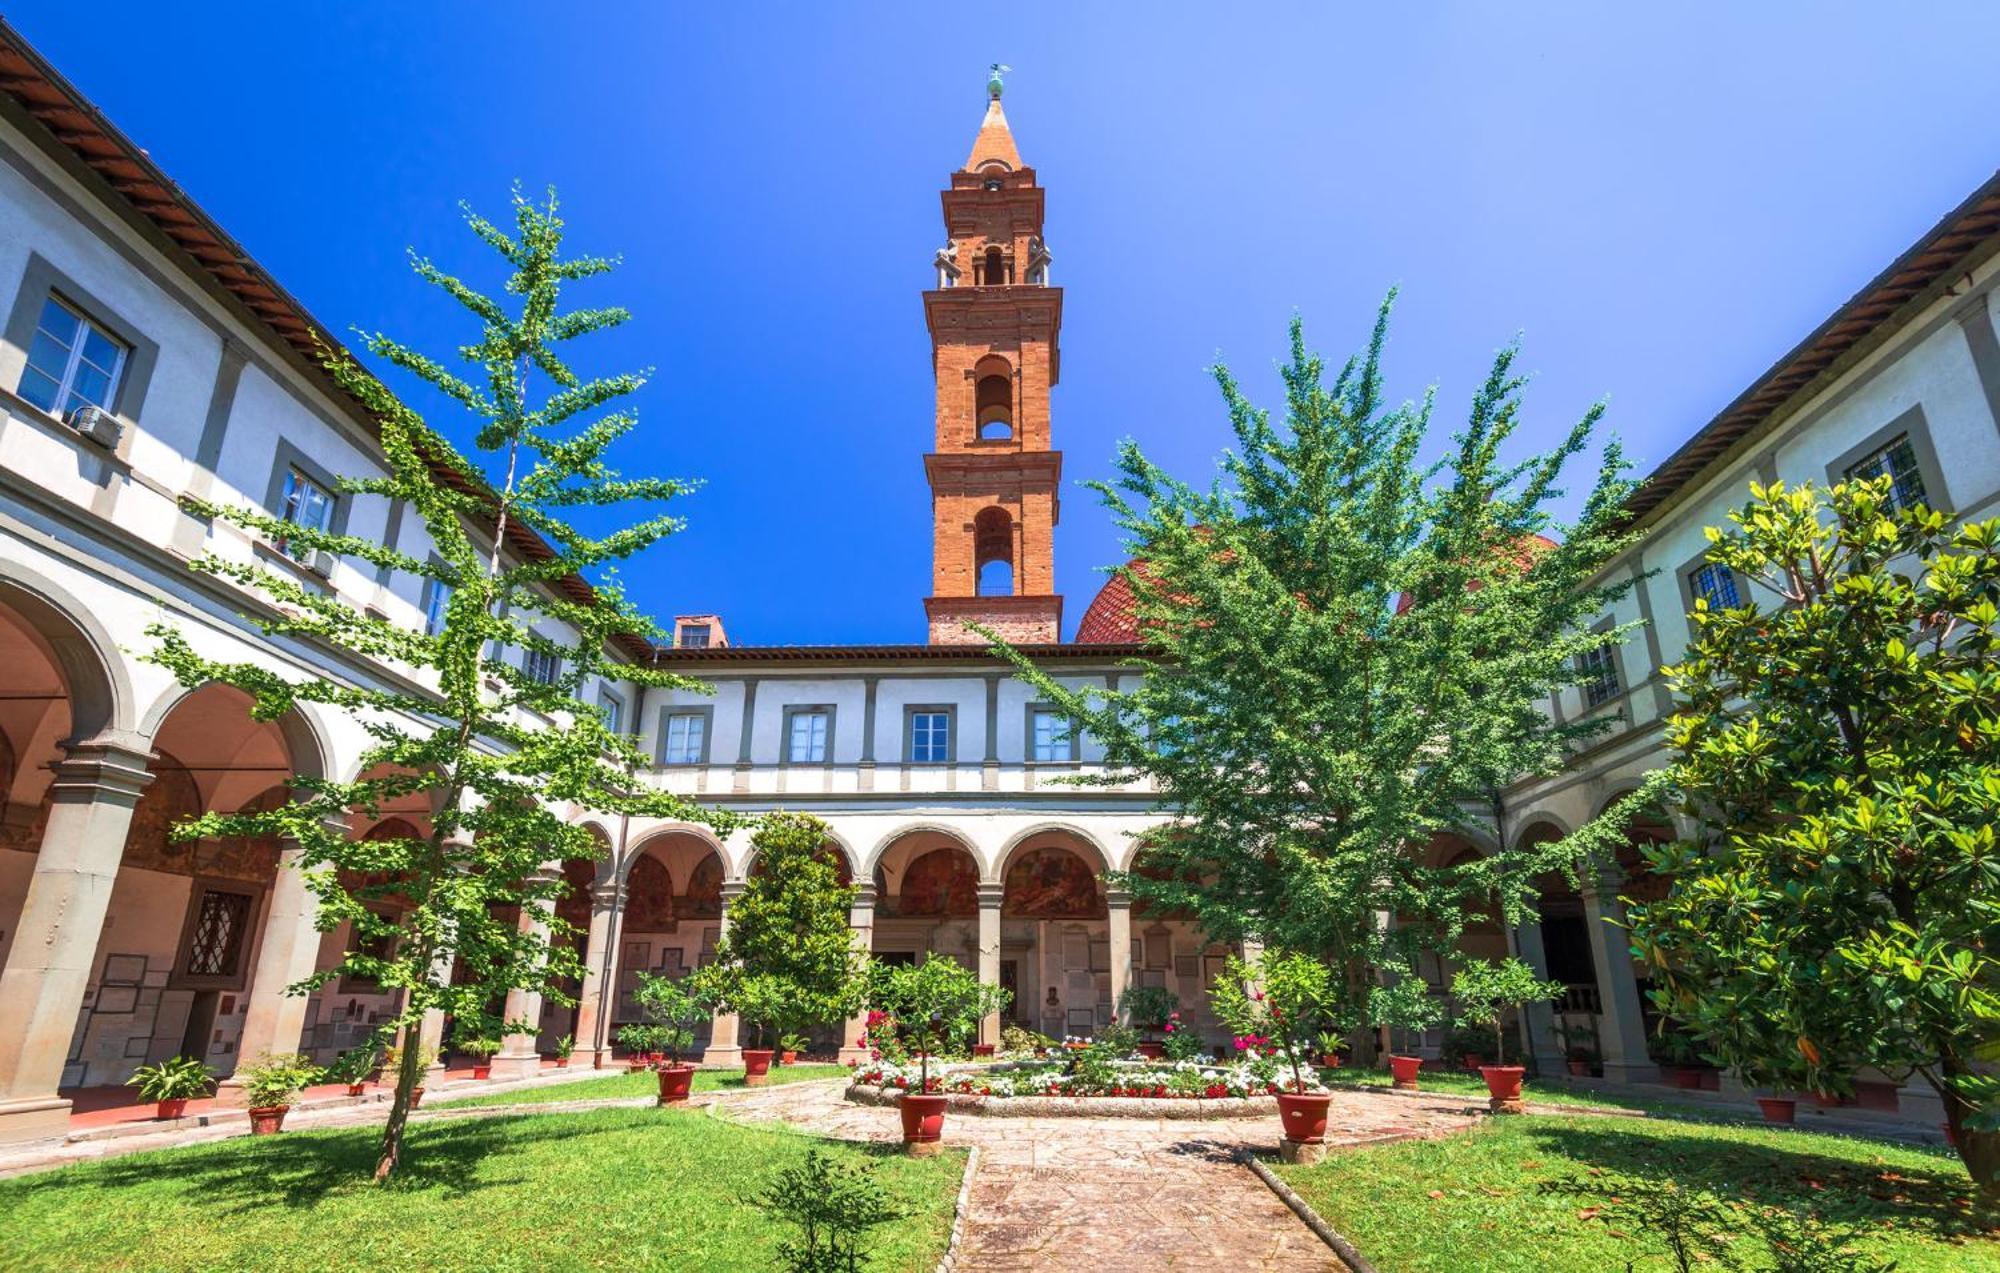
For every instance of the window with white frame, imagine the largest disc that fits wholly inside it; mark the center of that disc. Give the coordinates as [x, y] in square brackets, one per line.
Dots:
[694, 636]
[437, 598]
[930, 736]
[685, 738]
[72, 362]
[306, 502]
[1049, 735]
[541, 666]
[1897, 461]
[614, 710]
[1715, 583]
[1597, 673]
[806, 737]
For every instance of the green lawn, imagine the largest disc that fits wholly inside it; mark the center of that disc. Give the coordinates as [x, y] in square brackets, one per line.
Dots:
[601, 1189]
[644, 1083]
[1460, 1083]
[1477, 1200]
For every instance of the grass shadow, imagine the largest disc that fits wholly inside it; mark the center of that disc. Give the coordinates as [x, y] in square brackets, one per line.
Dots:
[1938, 1203]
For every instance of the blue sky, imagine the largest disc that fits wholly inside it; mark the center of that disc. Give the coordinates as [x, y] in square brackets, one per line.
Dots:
[1659, 199]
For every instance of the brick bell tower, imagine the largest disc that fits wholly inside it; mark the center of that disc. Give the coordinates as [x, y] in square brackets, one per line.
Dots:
[994, 322]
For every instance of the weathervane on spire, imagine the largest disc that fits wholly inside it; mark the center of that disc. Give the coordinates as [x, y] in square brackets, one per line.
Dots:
[994, 82]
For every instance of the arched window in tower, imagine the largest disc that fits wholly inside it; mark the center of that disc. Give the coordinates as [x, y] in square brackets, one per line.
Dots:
[993, 399]
[996, 270]
[993, 552]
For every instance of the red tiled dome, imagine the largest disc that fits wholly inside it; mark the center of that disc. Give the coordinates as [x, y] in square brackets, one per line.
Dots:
[1113, 616]
[1532, 547]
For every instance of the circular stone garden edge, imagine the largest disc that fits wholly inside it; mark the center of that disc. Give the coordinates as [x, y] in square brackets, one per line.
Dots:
[1189, 1108]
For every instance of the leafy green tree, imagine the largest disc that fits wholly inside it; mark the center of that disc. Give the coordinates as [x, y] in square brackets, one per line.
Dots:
[502, 753]
[1839, 749]
[1282, 999]
[677, 1006]
[1349, 651]
[1486, 988]
[926, 1000]
[788, 959]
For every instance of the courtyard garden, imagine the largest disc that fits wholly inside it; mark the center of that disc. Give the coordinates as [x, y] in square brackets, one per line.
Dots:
[637, 1083]
[613, 1188]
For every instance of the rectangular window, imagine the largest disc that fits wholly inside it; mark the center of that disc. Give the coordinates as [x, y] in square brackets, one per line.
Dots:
[72, 362]
[305, 503]
[437, 597]
[686, 739]
[930, 736]
[541, 666]
[694, 636]
[1716, 584]
[1896, 461]
[1049, 736]
[805, 739]
[1597, 673]
[614, 710]
[215, 947]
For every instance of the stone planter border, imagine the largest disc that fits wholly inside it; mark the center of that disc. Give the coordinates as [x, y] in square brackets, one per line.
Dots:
[1192, 1109]
[1326, 1233]
[949, 1262]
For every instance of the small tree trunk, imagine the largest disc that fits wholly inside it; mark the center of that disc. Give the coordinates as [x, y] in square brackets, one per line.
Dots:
[1979, 1151]
[409, 1066]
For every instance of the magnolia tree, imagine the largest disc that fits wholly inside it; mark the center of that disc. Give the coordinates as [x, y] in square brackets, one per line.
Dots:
[788, 959]
[1838, 741]
[494, 723]
[1348, 650]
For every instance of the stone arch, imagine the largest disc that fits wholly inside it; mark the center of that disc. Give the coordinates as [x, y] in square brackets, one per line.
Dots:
[92, 668]
[692, 830]
[1058, 830]
[1049, 879]
[993, 551]
[937, 881]
[873, 860]
[844, 852]
[993, 398]
[305, 739]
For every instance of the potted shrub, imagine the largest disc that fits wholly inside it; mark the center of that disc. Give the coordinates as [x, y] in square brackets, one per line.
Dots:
[1678, 1053]
[924, 999]
[678, 1010]
[481, 1049]
[1404, 1004]
[1579, 1044]
[964, 1030]
[1147, 1009]
[636, 1039]
[1283, 999]
[1332, 1048]
[353, 1067]
[392, 1061]
[272, 1084]
[1467, 1043]
[1485, 990]
[1180, 1041]
[790, 1045]
[565, 1047]
[171, 1084]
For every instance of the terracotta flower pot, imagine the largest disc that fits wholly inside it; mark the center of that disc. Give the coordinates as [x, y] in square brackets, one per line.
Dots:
[357, 1089]
[1404, 1070]
[1153, 1051]
[173, 1107]
[675, 1080]
[484, 1071]
[562, 1062]
[1474, 1060]
[756, 1066]
[923, 1118]
[1579, 1068]
[1303, 1116]
[1503, 1084]
[634, 1063]
[1950, 1136]
[1826, 1100]
[1778, 1109]
[1331, 1060]
[1685, 1077]
[416, 1096]
[266, 1120]
[1869, 1094]
[788, 1058]
[984, 1049]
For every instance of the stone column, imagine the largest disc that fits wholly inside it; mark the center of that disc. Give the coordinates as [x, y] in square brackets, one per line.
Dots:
[597, 995]
[1119, 908]
[1624, 1025]
[1538, 1022]
[273, 1020]
[723, 1047]
[519, 1058]
[861, 930]
[96, 786]
[990, 896]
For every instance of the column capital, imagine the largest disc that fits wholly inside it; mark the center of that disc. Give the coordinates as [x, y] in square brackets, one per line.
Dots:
[1117, 899]
[731, 890]
[101, 768]
[991, 896]
[865, 895]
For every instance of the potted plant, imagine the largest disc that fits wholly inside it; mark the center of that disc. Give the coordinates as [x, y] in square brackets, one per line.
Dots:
[1485, 990]
[1181, 1041]
[565, 1047]
[392, 1061]
[1579, 1042]
[924, 999]
[481, 1049]
[790, 1044]
[1466, 1042]
[678, 1008]
[1678, 1054]
[1332, 1048]
[964, 1032]
[1283, 999]
[1404, 1004]
[636, 1039]
[1147, 1009]
[353, 1068]
[272, 1084]
[171, 1083]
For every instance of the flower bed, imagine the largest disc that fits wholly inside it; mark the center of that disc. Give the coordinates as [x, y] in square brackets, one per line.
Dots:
[1134, 1087]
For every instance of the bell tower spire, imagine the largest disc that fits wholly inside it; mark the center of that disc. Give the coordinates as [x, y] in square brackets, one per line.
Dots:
[994, 320]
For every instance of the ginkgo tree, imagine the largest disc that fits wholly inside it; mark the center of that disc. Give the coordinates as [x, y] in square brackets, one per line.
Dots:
[495, 726]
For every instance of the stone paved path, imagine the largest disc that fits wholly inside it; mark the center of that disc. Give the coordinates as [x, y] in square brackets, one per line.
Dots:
[1116, 1194]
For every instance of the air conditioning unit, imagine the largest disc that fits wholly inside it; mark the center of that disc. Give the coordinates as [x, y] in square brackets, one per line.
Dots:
[97, 425]
[321, 563]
